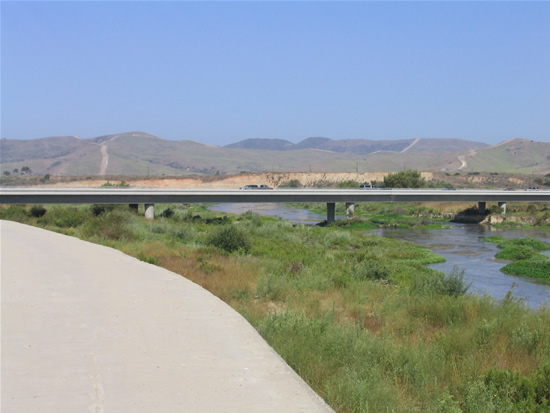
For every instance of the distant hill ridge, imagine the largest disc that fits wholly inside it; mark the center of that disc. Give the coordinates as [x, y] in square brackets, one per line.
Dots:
[139, 153]
[361, 146]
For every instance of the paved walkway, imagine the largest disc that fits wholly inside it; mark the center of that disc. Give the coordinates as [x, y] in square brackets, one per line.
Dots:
[86, 328]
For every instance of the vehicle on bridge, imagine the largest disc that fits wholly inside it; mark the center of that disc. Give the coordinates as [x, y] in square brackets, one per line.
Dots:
[252, 187]
[367, 186]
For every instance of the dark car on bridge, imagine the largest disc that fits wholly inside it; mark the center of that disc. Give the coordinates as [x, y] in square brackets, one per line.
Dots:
[367, 186]
[252, 187]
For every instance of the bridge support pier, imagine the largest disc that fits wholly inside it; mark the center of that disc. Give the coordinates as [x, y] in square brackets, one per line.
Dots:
[481, 206]
[350, 209]
[150, 211]
[331, 208]
[502, 206]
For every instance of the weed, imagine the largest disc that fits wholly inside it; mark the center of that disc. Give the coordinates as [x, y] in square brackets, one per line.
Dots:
[149, 260]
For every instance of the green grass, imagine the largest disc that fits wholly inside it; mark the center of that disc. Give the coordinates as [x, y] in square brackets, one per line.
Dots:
[360, 318]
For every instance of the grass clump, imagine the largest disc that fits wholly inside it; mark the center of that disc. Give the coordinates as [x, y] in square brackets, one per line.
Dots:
[528, 268]
[520, 252]
[524, 251]
[452, 284]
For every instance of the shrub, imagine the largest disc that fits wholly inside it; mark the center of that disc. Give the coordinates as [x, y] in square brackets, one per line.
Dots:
[371, 270]
[348, 184]
[64, 217]
[452, 284]
[527, 394]
[98, 209]
[167, 213]
[14, 213]
[520, 252]
[405, 179]
[37, 211]
[110, 225]
[230, 238]
[293, 183]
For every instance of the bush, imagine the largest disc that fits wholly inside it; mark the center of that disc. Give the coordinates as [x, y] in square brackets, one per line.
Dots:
[110, 225]
[293, 183]
[98, 209]
[452, 284]
[37, 211]
[520, 252]
[167, 213]
[64, 217]
[230, 238]
[405, 179]
[527, 394]
[371, 270]
[14, 213]
[348, 184]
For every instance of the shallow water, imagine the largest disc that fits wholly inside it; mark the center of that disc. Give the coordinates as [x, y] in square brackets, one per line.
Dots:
[462, 245]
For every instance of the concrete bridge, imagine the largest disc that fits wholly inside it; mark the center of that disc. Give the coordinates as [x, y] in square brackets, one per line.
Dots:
[150, 197]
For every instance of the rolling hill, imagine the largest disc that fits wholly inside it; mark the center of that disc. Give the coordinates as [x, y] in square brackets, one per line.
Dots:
[139, 153]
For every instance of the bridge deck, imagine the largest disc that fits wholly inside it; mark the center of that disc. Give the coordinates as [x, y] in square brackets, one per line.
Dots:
[153, 196]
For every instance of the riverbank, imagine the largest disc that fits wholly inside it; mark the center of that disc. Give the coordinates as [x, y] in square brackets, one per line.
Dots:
[274, 179]
[361, 318]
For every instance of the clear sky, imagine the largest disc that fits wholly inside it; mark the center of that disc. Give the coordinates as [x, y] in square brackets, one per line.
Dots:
[221, 72]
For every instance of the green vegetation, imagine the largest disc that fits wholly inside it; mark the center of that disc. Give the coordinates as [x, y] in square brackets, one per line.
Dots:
[360, 318]
[529, 268]
[405, 179]
[529, 262]
[370, 215]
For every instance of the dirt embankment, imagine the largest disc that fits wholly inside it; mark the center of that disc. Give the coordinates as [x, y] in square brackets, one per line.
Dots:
[236, 181]
[278, 179]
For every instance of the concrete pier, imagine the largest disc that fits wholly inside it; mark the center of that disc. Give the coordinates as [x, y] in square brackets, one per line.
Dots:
[350, 210]
[331, 208]
[502, 206]
[481, 207]
[150, 211]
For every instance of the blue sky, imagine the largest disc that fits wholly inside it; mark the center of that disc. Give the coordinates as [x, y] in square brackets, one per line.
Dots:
[221, 72]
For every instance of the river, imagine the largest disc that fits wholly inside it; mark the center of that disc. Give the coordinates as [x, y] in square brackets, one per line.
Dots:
[461, 245]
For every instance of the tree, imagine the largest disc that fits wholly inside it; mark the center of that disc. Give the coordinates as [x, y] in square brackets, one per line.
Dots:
[7, 173]
[405, 179]
[26, 170]
[15, 171]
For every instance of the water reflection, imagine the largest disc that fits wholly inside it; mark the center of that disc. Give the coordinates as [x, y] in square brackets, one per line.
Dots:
[461, 245]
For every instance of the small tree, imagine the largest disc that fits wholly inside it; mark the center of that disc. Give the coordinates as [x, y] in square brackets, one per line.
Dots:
[405, 179]
[7, 173]
[230, 238]
[26, 170]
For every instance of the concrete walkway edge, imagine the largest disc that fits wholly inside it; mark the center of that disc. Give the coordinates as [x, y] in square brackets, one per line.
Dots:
[86, 328]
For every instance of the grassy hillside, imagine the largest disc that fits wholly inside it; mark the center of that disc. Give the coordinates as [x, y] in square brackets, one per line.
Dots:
[516, 155]
[138, 153]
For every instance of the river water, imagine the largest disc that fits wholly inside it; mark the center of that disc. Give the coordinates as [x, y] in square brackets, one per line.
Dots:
[462, 245]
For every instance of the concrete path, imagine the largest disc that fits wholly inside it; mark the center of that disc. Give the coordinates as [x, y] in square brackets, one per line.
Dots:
[86, 328]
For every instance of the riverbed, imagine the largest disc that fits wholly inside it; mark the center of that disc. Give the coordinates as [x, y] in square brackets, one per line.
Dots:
[462, 245]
